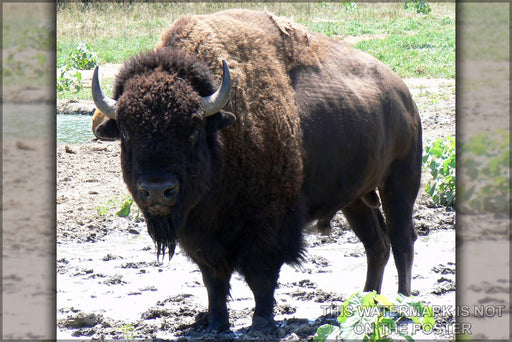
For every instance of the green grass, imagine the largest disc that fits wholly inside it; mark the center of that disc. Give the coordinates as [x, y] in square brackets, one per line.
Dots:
[27, 38]
[28, 26]
[414, 45]
[423, 54]
[418, 46]
[484, 29]
[83, 94]
[109, 51]
[399, 23]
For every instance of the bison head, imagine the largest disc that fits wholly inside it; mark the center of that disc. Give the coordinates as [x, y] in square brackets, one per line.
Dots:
[169, 144]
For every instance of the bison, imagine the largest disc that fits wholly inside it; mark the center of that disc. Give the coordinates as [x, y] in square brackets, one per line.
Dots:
[301, 126]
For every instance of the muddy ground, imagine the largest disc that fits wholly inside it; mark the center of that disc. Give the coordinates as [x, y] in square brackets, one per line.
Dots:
[111, 285]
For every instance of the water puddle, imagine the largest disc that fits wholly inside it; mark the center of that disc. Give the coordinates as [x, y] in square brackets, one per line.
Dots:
[28, 120]
[74, 129]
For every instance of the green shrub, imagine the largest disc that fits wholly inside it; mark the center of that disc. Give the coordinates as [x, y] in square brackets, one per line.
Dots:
[68, 78]
[350, 5]
[370, 310]
[82, 57]
[440, 159]
[485, 161]
[421, 6]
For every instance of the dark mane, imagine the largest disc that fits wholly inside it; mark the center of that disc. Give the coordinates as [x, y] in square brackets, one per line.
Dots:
[172, 61]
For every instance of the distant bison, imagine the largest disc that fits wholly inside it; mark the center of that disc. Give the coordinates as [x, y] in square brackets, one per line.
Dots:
[301, 126]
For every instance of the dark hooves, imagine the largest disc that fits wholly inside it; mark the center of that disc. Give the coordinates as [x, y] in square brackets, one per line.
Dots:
[260, 324]
[217, 328]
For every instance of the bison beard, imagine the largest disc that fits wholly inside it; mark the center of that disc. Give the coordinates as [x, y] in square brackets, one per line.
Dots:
[163, 232]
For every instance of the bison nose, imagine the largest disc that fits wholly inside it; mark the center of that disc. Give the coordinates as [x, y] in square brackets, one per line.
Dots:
[158, 189]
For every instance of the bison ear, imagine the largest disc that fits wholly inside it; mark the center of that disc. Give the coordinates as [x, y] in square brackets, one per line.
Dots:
[220, 120]
[106, 130]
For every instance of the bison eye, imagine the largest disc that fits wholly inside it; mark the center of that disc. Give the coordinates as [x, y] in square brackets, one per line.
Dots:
[193, 138]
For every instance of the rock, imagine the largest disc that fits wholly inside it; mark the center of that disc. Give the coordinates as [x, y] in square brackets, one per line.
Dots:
[19, 94]
[292, 337]
[69, 150]
[83, 107]
[82, 320]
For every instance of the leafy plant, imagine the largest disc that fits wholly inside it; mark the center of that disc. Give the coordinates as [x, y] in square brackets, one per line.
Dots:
[102, 210]
[421, 6]
[485, 161]
[367, 316]
[82, 57]
[440, 159]
[125, 208]
[128, 331]
[69, 78]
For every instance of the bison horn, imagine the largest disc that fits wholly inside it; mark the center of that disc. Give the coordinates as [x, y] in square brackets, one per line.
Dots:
[215, 102]
[105, 104]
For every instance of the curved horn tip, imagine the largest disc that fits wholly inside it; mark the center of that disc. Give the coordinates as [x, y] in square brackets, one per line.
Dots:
[226, 74]
[215, 102]
[105, 104]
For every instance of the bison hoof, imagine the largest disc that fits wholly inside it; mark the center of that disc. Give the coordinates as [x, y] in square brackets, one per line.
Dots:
[218, 327]
[262, 324]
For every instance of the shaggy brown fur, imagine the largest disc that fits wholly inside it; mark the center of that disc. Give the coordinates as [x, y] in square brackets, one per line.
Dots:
[262, 96]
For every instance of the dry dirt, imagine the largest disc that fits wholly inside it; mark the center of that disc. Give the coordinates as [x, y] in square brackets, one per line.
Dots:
[28, 238]
[110, 284]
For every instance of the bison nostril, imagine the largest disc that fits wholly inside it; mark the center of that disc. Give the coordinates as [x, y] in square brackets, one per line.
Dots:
[146, 194]
[171, 191]
[168, 193]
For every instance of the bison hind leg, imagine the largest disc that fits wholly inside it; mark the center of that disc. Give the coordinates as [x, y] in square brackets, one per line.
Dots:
[323, 225]
[398, 196]
[369, 225]
[371, 199]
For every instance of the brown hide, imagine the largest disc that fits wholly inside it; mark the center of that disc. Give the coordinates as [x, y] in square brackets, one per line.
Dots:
[317, 127]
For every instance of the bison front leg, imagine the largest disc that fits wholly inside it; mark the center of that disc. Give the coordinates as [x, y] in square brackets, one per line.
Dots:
[262, 279]
[218, 290]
